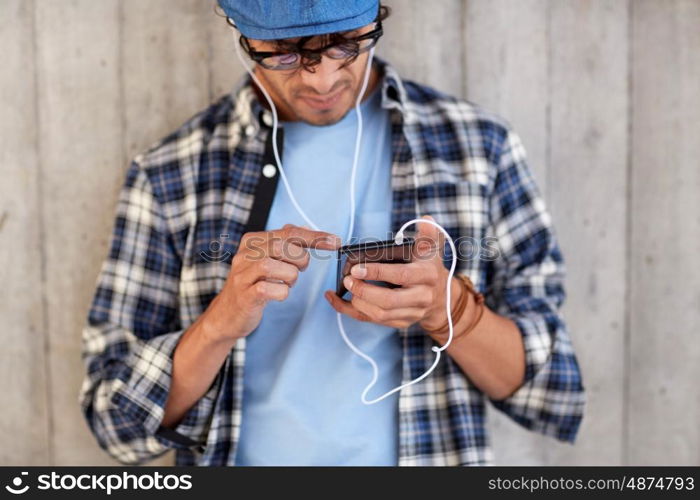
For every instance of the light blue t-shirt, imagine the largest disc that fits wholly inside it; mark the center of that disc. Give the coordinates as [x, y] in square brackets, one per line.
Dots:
[302, 383]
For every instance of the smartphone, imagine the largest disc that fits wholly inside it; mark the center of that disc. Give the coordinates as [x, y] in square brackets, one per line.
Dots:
[385, 252]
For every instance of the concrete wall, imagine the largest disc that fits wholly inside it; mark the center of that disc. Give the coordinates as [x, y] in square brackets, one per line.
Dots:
[605, 94]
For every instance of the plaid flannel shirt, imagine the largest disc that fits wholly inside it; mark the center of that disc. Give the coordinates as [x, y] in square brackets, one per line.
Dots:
[199, 182]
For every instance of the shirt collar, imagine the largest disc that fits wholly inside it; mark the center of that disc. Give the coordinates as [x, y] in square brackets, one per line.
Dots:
[251, 116]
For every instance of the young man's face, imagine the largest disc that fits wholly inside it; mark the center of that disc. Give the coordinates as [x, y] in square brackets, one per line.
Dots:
[320, 98]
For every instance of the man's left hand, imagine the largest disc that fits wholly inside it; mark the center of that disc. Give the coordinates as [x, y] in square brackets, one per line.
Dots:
[421, 296]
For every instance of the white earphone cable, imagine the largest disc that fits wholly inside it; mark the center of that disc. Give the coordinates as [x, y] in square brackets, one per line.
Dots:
[274, 136]
[399, 236]
[435, 349]
[358, 139]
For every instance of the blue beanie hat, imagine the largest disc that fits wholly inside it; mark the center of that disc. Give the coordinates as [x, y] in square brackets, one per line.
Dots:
[276, 19]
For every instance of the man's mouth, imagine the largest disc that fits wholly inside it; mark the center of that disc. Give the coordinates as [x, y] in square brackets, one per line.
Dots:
[325, 102]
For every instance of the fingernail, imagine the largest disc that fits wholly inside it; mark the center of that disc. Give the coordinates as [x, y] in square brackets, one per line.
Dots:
[348, 282]
[333, 240]
[359, 271]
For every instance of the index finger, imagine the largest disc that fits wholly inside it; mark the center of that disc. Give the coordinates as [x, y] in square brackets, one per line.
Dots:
[307, 238]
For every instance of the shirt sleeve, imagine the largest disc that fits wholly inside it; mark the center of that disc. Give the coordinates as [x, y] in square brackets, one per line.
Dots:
[131, 333]
[528, 288]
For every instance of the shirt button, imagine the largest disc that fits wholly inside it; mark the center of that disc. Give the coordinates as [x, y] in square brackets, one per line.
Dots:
[267, 119]
[250, 130]
[269, 171]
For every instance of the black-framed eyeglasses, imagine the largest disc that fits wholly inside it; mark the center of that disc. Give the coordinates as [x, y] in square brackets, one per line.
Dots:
[347, 49]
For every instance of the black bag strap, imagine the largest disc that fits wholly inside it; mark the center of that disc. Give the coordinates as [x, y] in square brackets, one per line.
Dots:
[265, 190]
[178, 438]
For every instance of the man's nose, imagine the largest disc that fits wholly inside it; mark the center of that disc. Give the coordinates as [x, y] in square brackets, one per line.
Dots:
[325, 75]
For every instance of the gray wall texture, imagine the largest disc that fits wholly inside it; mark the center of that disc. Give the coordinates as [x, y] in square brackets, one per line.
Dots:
[605, 94]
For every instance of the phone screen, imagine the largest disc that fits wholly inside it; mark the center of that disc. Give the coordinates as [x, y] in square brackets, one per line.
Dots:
[385, 252]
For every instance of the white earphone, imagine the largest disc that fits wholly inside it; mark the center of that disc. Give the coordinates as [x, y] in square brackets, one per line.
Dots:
[398, 238]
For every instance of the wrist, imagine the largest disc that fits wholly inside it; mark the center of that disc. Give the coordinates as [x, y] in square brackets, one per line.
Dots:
[439, 316]
[215, 330]
[467, 315]
[459, 324]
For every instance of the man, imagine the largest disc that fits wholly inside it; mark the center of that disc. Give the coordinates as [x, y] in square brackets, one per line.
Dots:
[209, 333]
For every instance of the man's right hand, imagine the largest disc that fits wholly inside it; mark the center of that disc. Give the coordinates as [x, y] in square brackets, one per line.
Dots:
[265, 267]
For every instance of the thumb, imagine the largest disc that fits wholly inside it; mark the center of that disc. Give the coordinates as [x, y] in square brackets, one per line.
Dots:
[429, 239]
